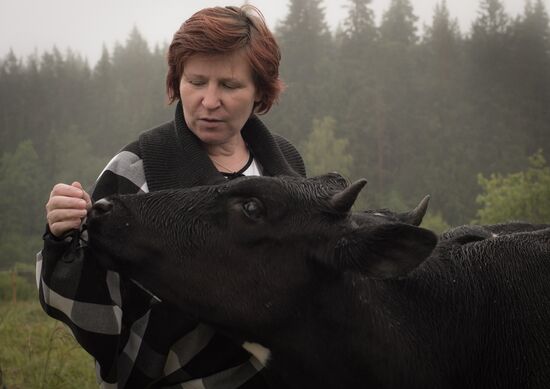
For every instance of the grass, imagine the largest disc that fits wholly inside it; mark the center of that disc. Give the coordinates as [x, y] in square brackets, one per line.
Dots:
[38, 352]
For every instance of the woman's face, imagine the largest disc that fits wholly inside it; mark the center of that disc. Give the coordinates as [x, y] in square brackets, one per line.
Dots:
[218, 94]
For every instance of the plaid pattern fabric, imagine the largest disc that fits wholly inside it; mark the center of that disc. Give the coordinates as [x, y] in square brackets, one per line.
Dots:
[136, 340]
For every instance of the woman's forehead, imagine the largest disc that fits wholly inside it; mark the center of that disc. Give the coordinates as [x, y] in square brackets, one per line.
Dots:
[225, 65]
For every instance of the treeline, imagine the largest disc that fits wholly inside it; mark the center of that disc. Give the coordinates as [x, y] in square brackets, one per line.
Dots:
[421, 113]
[415, 113]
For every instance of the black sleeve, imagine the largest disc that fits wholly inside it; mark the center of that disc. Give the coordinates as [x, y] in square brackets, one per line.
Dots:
[79, 292]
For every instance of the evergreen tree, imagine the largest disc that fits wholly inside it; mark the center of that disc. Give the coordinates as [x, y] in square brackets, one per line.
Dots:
[441, 105]
[12, 101]
[492, 19]
[529, 75]
[57, 94]
[303, 36]
[442, 59]
[21, 205]
[490, 39]
[394, 108]
[69, 157]
[443, 38]
[399, 23]
[354, 86]
[22, 186]
[305, 42]
[103, 100]
[500, 137]
[139, 91]
[359, 27]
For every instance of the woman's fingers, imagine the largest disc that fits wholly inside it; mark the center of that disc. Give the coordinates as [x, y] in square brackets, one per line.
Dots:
[61, 215]
[67, 190]
[64, 202]
[66, 207]
[59, 228]
[85, 195]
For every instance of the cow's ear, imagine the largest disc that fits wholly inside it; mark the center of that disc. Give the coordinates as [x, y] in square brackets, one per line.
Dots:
[384, 251]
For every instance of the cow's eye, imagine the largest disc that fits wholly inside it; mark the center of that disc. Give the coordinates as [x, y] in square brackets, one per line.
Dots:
[253, 209]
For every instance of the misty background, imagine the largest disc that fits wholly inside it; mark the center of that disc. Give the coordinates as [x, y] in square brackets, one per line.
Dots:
[450, 99]
[27, 26]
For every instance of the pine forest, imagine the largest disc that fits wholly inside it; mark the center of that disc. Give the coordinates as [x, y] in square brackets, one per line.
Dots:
[463, 116]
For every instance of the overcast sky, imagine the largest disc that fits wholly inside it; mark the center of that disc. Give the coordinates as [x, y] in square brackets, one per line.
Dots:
[27, 26]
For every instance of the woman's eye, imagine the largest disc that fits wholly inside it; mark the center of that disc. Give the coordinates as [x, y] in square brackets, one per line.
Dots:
[229, 85]
[196, 82]
[253, 209]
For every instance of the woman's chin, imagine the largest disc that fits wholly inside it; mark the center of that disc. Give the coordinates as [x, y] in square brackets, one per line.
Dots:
[216, 137]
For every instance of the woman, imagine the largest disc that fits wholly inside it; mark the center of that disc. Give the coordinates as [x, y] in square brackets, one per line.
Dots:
[222, 69]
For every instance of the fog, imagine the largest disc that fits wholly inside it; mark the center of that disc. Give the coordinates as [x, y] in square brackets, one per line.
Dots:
[28, 26]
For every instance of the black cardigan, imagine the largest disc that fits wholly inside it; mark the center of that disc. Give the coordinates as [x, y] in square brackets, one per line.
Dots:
[174, 158]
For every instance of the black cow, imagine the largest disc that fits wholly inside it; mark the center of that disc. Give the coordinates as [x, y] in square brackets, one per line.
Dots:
[492, 230]
[340, 303]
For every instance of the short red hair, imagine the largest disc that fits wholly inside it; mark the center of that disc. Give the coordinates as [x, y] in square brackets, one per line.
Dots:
[223, 30]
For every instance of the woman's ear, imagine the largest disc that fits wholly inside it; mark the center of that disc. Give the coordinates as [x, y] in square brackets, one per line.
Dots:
[258, 97]
[171, 94]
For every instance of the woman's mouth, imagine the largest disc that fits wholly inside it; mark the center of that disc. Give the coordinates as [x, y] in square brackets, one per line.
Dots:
[211, 120]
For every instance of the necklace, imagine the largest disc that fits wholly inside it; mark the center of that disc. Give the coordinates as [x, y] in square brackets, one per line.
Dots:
[241, 163]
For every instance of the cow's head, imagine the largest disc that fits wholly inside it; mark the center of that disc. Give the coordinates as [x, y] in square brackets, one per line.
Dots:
[256, 244]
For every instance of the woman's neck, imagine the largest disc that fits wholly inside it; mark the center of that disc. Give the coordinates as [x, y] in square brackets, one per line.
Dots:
[229, 157]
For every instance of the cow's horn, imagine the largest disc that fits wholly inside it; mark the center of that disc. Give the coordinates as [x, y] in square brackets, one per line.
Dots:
[343, 201]
[415, 216]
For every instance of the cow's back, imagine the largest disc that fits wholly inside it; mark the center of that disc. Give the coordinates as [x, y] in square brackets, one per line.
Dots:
[490, 307]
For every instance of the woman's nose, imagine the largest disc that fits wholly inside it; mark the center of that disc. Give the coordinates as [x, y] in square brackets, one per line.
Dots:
[211, 98]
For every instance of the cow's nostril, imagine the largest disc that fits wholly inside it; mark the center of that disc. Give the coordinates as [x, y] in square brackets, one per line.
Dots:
[102, 207]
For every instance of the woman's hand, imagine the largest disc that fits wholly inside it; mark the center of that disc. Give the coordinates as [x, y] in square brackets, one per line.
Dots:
[67, 206]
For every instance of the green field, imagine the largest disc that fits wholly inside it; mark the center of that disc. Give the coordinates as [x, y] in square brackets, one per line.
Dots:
[38, 352]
